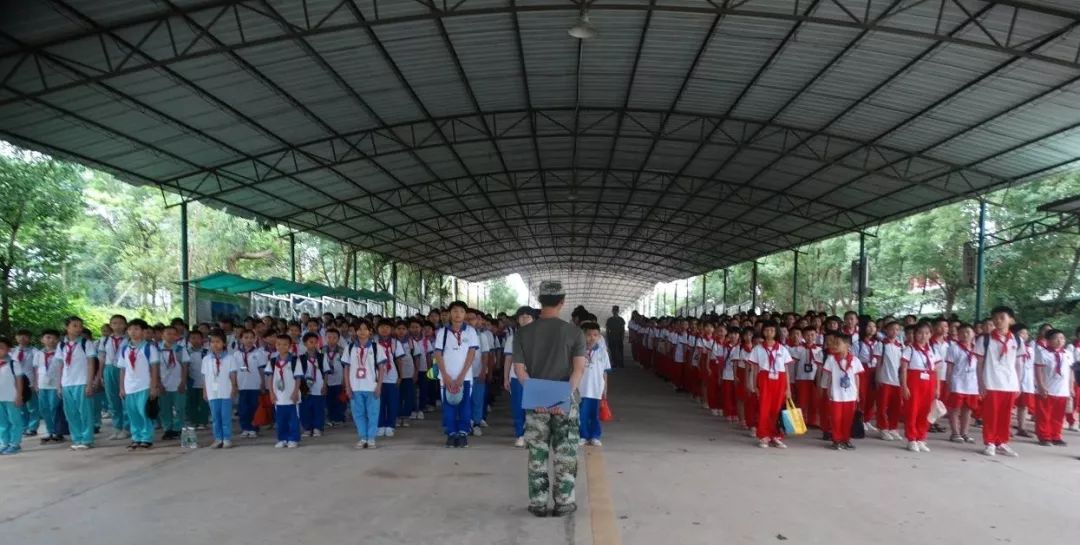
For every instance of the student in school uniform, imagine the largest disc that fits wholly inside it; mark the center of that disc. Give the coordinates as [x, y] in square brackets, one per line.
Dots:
[810, 359]
[198, 412]
[140, 381]
[78, 375]
[12, 379]
[769, 362]
[940, 342]
[284, 376]
[999, 382]
[47, 371]
[363, 369]
[418, 346]
[313, 402]
[918, 378]
[249, 361]
[481, 369]
[390, 395]
[334, 350]
[219, 370]
[744, 387]
[172, 403]
[1074, 347]
[887, 356]
[407, 407]
[963, 398]
[1025, 369]
[842, 371]
[726, 374]
[456, 346]
[593, 385]
[523, 317]
[868, 341]
[25, 354]
[109, 350]
[709, 365]
[1053, 380]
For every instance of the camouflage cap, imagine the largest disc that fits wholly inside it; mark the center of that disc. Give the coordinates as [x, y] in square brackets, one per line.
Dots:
[551, 287]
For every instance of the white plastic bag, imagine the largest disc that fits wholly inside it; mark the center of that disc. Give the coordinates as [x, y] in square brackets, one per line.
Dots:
[937, 410]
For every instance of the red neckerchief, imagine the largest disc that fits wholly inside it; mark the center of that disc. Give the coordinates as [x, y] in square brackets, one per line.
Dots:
[280, 365]
[388, 347]
[1076, 343]
[771, 354]
[925, 351]
[70, 353]
[848, 332]
[217, 365]
[132, 355]
[245, 353]
[849, 360]
[48, 358]
[116, 343]
[1003, 340]
[361, 364]
[312, 362]
[172, 356]
[792, 343]
[22, 355]
[869, 345]
[1057, 355]
[893, 341]
[1042, 343]
[970, 354]
[457, 334]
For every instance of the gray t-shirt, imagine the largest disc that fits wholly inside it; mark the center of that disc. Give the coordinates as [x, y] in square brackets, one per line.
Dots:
[547, 348]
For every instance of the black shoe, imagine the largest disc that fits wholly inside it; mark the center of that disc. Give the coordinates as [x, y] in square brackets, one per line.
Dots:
[848, 445]
[1045, 443]
[826, 436]
[451, 441]
[541, 512]
[132, 446]
[835, 446]
[563, 510]
[97, 430]
[464, 441]
[1060, 443]
[146, 446]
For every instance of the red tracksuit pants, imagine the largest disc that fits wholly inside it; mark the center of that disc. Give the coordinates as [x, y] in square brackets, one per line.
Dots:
[997, 416]
[842, 413]
[712, 387]
[805, 397]
[917, 407]
[889, 405]
[1049, 416]
[727, 398]
[771, 396]
[867, 399]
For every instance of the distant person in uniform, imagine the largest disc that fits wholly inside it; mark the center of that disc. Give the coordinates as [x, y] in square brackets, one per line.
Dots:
[616, 332]
[551, 349]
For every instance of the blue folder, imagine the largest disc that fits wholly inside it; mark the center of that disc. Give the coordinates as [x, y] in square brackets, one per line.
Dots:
[547, 394]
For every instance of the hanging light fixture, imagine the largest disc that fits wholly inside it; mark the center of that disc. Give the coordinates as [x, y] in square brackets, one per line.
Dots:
[583, 29]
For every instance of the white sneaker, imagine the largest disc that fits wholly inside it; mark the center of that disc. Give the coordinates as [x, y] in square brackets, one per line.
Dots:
[371, 444]
[764, 443]
[279, 444]
[381, 432]
[778, 443]
[477, 432]
[389, 432]
[419, 415]
[404, 423]
[412, 415]
[714, 412]
[886, 435]
[115, 436]
[1008, 451]
[869, 426]
[923, 447]
[990, 450]
[215, 444]
[581, 442]
[913, 446]
[519, 442]
[316, 433]
[1075, 426]
[226, 444]
[360, 444]
[596, 443]
[483, 424]
[292, 444]
[896, 435]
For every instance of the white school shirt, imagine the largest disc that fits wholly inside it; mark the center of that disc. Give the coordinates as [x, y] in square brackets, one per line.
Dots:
[999, 369]
[75, 357]
[420, 350]
[888, 355]
[136, 365]
[9, 370]
[313, 371]
[217, 371]
[706, 346]
[173, 361]
[283, 375]
[1025, 367]
[865, 352]
[941, 350]
[919, 360]
[811, 358]
[963, 370]
[454, 350]
[1056, 369]
[728, 361]
[249, 368]
[361, 363]
[25, 357]
[333, 356]
[508, 350]
[680, 341]
[390, 354]
[596, 364]
[849, 367]
[485, 347]
[773, 365]
[408, 365]
[195, 372]
[47, 369]
[109, 349]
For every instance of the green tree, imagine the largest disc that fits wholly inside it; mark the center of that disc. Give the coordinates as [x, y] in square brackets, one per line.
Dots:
[41, 198]
[501, 298]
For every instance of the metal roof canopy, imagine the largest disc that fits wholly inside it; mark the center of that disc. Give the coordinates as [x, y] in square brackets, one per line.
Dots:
[476, 138]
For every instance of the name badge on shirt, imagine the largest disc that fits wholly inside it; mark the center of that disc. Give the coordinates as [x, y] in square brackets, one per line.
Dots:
[845, 382]
[924, 375]
[774, 375]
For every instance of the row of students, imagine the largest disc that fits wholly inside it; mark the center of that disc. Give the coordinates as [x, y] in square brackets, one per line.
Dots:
[743, 367]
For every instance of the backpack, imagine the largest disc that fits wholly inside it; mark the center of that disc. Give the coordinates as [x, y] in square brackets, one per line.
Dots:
[986, 343]
[305, 388]
[27, 390]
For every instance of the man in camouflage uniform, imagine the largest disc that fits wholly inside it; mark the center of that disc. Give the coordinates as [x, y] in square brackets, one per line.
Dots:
[551, 349]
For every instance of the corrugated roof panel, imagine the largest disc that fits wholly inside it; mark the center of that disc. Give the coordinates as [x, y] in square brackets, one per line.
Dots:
[420, 53]
[607, 63]
[492, 72]
[550, 57]
[666, 57]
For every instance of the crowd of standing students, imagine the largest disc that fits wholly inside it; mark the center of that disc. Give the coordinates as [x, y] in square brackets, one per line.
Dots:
[858, 373]
[310, 374]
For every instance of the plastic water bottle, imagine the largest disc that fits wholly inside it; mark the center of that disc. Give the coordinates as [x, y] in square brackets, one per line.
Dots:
[188, 438]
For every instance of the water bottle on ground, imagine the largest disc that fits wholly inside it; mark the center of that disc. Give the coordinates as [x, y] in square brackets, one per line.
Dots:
[188, 438]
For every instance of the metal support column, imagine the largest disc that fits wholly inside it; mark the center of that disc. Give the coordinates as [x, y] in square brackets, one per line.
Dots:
[795, 283]
[455, 289]
[185, 272]
[676, 298]
[753, 287]
[980, 256]
[862, 272]
[423, 290]
[704, 282]
[292, 256]
[724, 293]
[686, 306]
[393, 286]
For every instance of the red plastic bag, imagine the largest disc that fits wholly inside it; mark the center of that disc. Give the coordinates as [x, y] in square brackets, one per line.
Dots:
[264, 415]
[605, 411]
[343, 397]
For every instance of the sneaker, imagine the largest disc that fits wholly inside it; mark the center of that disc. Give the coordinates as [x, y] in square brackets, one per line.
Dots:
[1023, 433]
[316, 433]
[412, 415]
[476, 431]
[776, 442]
[404, 424]
[1045, 443]
[1008, 451]
[131, 447]
[389, 432]
[371, 444]
[764, 443]
[923, 447]
[451, 441]
[381, 432]
[519, 442]
[146, 446]
[848, 445]
[464, 441]
[361, 445]
[280, 444]
[869, 426]
[834, 446]
[596, 443]
[886, 435]
[956, 438]
[968, 439]
[483, 424]
[581, 442]
[539, 511]
[216, 444]
[753, 432]
[563, 510]
[714, 412]
[292, 444]
[990, 450]
[826, 436]
[913, 446]
[11, 450]
[226, 444]
[419, 415]
[1060, 443]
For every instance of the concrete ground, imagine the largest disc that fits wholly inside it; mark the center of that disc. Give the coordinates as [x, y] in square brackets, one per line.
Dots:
[673, 476]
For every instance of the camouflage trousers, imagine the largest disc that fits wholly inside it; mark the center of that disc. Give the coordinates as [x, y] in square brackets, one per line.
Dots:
[544, 434]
